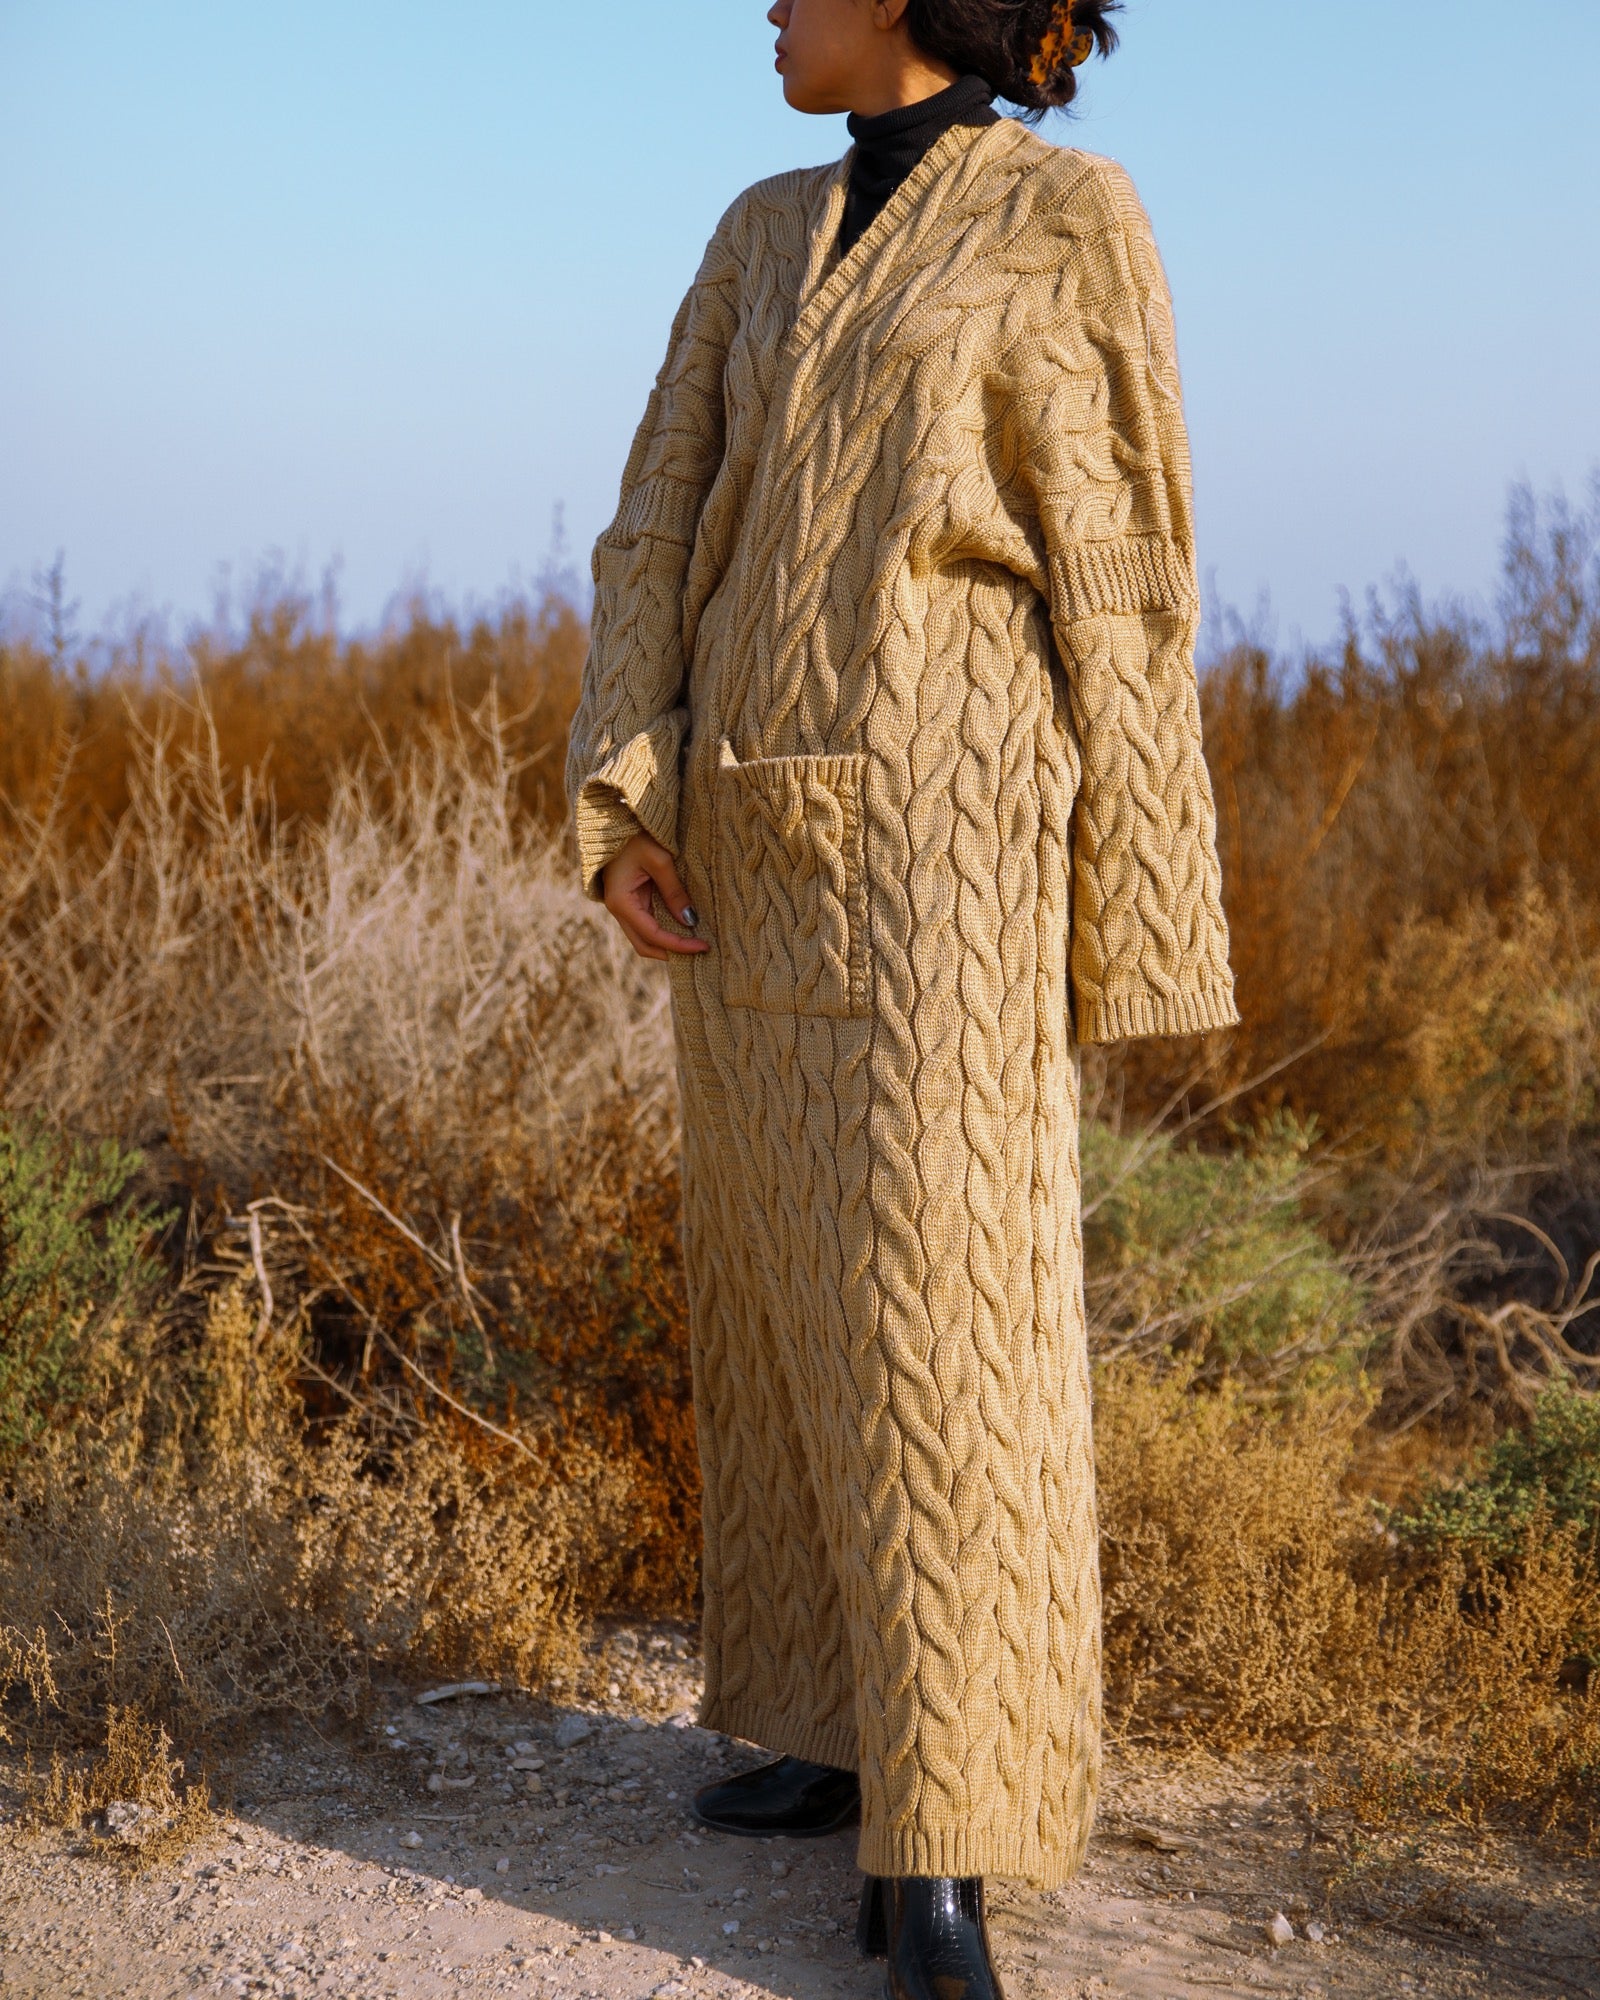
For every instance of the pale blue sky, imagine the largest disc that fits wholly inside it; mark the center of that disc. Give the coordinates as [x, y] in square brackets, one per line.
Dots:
[386, 283]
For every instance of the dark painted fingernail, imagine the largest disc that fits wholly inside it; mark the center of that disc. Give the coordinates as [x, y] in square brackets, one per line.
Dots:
[690, 916]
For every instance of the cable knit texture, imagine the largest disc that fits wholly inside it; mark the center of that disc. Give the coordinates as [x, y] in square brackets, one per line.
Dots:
[893, 647]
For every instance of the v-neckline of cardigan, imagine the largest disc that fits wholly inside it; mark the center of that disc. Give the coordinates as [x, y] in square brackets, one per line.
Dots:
[823, 286]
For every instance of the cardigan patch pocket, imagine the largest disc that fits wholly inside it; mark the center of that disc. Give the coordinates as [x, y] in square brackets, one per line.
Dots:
[790, 884]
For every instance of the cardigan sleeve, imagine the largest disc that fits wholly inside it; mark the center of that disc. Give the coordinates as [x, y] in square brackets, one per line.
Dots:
[1105, 453]
[622, 753]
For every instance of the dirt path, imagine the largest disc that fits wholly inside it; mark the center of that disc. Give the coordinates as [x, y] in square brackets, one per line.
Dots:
[469, 1846]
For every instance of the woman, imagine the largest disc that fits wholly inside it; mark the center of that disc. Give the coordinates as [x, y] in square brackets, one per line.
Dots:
[889, 743]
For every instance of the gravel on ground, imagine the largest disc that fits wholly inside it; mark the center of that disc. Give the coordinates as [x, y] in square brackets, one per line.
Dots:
[483, 1842]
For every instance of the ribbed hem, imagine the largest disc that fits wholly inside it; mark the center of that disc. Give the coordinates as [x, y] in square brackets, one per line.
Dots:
[957, 1851]
[1133, 1014]
[764, 1723]
[1141, 573]
[962, 1852]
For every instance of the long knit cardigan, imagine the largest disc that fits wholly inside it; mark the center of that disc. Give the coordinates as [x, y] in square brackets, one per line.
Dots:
[892, 647]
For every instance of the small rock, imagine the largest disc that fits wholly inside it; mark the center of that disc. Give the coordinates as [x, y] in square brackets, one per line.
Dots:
[503, 1865]
[456, 1687]
[778, 1866]
[730, 1928]
[1315, 1933]
[522, 1763]
[608, 1868]
[523, 1748]
[411, 1840]
[1280, 1930]
[628, 1934]
[572, 1729]
[670, 1988]
[1158, 1838]
[125, 1820]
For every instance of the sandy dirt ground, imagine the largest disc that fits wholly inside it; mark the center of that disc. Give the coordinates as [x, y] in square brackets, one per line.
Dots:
[488, 1843]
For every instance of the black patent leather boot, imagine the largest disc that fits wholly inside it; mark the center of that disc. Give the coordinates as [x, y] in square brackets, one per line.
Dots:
[872, 1919]
[938, 1939]
[790, 1796]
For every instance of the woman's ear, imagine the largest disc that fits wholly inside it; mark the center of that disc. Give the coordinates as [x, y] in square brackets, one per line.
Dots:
[887, 14]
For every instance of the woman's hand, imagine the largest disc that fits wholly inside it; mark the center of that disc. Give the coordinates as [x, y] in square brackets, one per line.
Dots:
[626, 882]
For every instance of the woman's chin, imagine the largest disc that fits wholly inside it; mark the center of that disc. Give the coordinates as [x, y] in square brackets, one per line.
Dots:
[799, 98]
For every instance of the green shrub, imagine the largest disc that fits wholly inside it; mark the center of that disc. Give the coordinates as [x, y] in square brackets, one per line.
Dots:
[1551, 1469]
[1210, 1256]
[74, 1263]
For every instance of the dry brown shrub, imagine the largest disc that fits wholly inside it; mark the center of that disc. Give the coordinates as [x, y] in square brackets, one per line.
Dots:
[1411, 866]
[285, 697]
[1253, 1597]
[1485, 1668]
[1433, 769]
[546, 1282]
[1232, 1561]
[425, 945]
[410, 1061]
[198, 1557]
[132, 1797]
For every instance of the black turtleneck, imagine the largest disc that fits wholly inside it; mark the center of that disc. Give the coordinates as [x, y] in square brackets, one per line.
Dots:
[890, 145]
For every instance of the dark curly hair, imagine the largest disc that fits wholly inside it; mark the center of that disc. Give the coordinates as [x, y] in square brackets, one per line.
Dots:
[1023, 49]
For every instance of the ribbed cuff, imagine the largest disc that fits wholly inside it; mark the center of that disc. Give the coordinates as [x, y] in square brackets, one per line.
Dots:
[605, 826]
[662, 506]
[1102, 1019]
[635, 790]
[1140, 573]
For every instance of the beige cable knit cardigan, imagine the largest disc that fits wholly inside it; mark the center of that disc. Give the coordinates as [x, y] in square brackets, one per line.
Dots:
[893, 648]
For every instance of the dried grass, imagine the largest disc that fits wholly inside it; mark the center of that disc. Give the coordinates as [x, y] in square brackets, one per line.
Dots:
[419, 1394]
